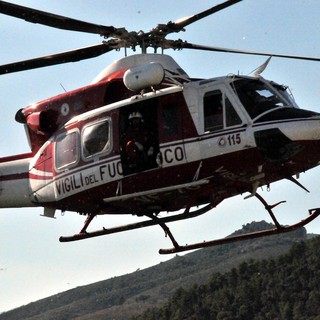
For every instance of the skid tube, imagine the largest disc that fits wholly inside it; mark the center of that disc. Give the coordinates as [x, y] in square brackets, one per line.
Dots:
[84, 234]
[313, 213]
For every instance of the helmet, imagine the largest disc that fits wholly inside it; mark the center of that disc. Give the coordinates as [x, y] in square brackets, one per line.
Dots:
[135, 115]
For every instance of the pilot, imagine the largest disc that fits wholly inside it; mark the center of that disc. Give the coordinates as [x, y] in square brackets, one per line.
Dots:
[138, 144]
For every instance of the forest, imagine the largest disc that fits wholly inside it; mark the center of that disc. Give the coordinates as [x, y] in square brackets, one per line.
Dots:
[284, 288]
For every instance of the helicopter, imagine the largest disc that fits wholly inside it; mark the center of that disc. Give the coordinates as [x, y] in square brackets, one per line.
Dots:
[203, 140]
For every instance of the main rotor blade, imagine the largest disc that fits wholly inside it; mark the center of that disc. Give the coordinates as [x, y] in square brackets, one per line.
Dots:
[187, 45]
[59, 58]
[162, 30]
[53, 20]
[180, 24]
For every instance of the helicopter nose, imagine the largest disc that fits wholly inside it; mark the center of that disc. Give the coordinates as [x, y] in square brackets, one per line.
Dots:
[275, 145]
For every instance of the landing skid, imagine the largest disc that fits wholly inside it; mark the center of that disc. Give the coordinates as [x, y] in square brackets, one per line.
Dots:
[83, 234]
[313, 213]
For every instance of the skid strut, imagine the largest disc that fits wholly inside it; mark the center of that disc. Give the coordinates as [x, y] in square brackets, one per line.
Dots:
[83, 234]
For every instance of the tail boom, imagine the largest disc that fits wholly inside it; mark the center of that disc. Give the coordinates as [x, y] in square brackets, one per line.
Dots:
[14, 181]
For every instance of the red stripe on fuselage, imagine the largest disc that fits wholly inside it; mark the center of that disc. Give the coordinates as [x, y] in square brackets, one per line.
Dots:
[15, 176]
[16, 157]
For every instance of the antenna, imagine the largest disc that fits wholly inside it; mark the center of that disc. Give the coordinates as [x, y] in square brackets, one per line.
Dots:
[64, 89]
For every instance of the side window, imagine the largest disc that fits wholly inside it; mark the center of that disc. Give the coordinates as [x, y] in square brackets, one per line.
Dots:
[216, 107]
[170, 119]
[232, 117]
[96, 138]
[66, 149]
[213, 111]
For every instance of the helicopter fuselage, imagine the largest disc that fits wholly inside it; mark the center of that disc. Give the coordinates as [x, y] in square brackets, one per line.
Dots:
[211, 139]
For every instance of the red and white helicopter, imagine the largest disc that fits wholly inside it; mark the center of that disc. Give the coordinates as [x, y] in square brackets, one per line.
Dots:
[146, 138]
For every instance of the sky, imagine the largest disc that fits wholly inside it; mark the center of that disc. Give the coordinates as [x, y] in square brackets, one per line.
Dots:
[33, 264]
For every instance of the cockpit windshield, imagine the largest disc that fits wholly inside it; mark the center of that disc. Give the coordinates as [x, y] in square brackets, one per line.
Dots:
[259, 98]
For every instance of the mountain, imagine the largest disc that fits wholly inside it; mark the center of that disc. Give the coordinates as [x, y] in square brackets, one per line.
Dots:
[131, 294]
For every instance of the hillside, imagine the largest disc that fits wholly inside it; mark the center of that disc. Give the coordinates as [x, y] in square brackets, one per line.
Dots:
[122, 297]
[283, 288]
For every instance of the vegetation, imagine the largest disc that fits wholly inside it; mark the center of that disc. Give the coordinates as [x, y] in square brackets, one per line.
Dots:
[128, 295]
[285, 288]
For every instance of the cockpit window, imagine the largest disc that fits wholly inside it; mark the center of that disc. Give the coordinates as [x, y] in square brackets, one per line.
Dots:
[96, 138]
[286, 94]
[257, 98]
